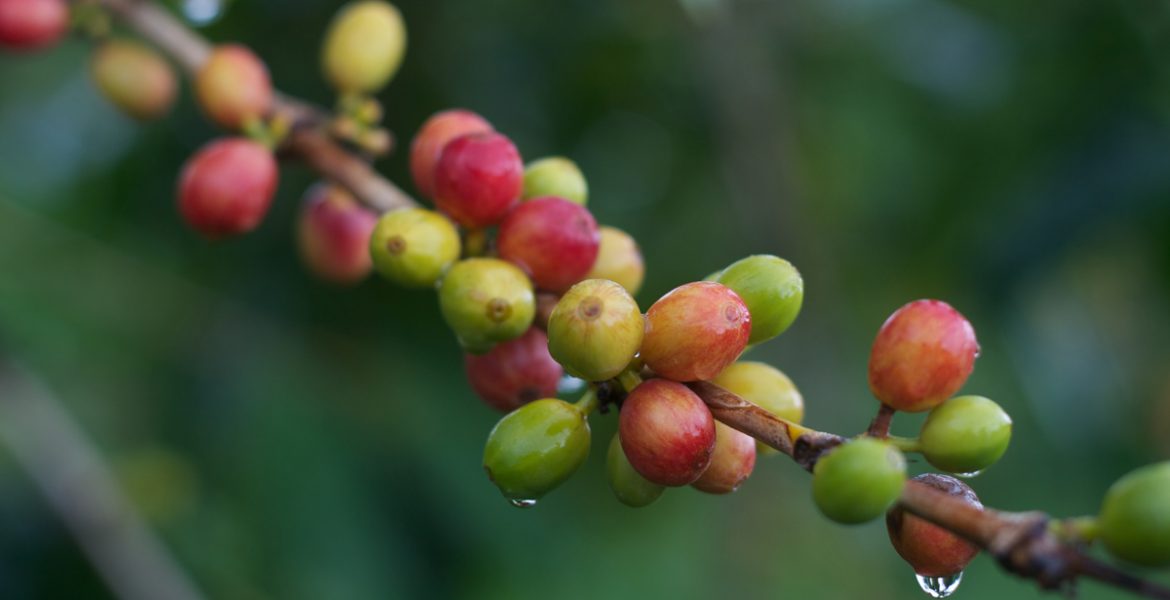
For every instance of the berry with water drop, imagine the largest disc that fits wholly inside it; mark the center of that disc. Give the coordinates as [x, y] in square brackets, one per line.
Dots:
[931, 550]
[535, 448]
[965, 434]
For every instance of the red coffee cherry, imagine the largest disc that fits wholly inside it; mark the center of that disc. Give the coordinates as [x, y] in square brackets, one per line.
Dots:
[433, 136]
[695, 331]
[227, 186]
[667, 432]
[931, 550]
[551, 238]
[922, 355]
[334, 234]
[233, 86]
[478, 179]
[515, 372]
[732, 461]
[32, 24]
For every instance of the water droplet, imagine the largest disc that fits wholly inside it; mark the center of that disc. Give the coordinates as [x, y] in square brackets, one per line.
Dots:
[522, 502]
[202, 12]
[971, 475]
[569, 385]
[940, 587]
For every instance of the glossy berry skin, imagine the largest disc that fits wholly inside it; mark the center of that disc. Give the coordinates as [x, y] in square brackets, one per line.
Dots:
[32, 24]
[618, 259]
[515, 372]
[433, 136]
[333, 234]
[695, 331]
[227, 186]
[766, 387]
[363, 46]
[628, 485]
[478, 178]
[595, 330]
[922, 355]
[552, 239]
[413, 247]
[233, 86]
[486, 301]
[667, 433]
[1134, 523]
[858, 481]
[555, 176]
[535, 448]
[771, 288]
[732, 461]
[965, 434]
[931, 550]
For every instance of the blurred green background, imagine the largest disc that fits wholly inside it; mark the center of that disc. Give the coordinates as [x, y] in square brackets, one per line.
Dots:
[293, 440]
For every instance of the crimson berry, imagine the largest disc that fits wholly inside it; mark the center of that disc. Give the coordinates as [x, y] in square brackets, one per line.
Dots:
[732, 461]
[227, 186]
[433, 136]
[668, 433]
[135, 78]
[515, 372]
[233, 86]
[334, 234]
[931, 550]
[695, 331]
[618, 259]
[32, 24]
[478, 179]
[554, 240]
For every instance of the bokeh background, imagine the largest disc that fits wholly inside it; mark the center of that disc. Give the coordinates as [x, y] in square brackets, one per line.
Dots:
[293, 440]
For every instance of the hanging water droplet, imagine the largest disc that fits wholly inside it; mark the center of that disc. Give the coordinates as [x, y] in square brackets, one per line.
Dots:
[970, 475]
[569, 385]
[522, 502]
[940, 587]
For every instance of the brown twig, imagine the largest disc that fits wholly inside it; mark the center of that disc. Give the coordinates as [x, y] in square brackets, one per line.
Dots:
[880, 426]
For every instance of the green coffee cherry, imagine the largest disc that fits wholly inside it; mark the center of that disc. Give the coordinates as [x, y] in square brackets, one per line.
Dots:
[363, 46]
[595, 330]
[413, 247]
[555, 176]
[858, 481]
[627, 484]
[772, 289]
[965, 434]
[485, 301]
[535, 448]
[1134, 523]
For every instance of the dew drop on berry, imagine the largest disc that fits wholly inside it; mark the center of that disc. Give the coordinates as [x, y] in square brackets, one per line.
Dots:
[940, 587]
[529, 503]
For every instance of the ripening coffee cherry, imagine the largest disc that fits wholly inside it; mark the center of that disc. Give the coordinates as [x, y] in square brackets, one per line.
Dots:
[965, 434]
[555, 176]
[922, 355]
[334, 234]
[486, 301]
[627, 484]
[552, 239]
[32, 24]
[1134, 523]
[595, 330]
[433, 136]
[931, 550]
[363, 46]
[771, 288]
[233, 86]
[134, 78]
[858, 481]
[413, 247]
[695, 331]
[618, 259]
[227, 186]
[478, 179]
[766, 387]
[515, 372]
[732, 461]
[667, 432]
[535, 448]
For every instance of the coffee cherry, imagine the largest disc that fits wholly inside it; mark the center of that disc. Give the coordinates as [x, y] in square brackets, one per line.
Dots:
[766, 387]
[433, 136]
[555, 176]
[667, 433]
[695, 331]
[731, 462]
[1134, 523]
[334, 234]
[627, 484]
[233, 86]
[478, 179]
[552, 239]
[595, 330]
[515, 372]
[922, 355]
[32, 24]
[965, 434]
[363, 46]
[858, 481]
[413, 247]
[771, 288]
[134, 78]
[227, 186]
[535, 448]
[618, 259]
[486, 301]
[931, 550]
